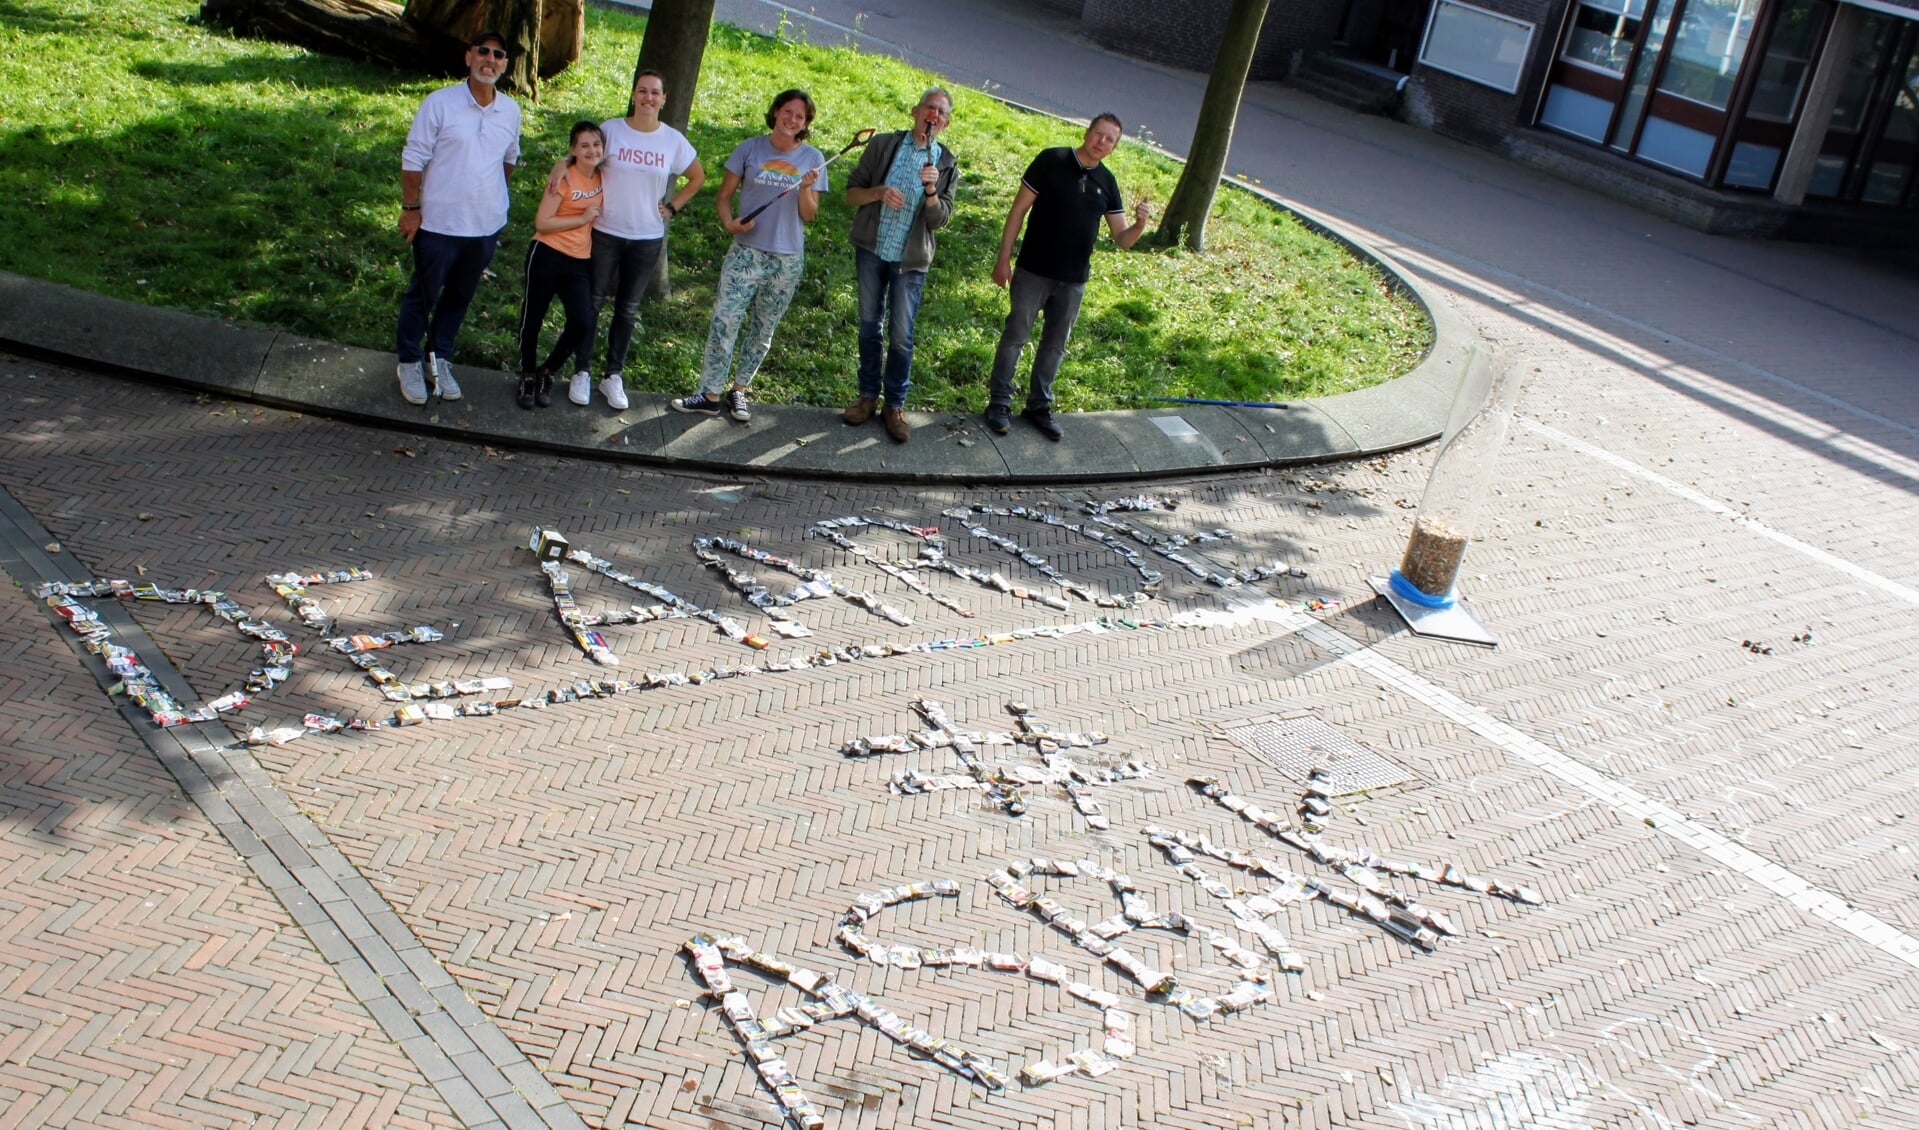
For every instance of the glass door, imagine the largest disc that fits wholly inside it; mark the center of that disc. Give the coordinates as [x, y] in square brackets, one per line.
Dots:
[1687, 112]
[1889, 176]
[1588, 78]
[1633, 109]
[1841, 149]
[1778, 89]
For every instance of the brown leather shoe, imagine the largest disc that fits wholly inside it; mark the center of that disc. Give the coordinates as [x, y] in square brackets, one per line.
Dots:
[860, 410]
[896, 425]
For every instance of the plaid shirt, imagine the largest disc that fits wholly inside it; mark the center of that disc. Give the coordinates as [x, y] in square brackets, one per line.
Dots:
[890, 245]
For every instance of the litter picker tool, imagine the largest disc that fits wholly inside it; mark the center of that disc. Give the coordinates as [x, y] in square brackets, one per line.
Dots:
[859, 139]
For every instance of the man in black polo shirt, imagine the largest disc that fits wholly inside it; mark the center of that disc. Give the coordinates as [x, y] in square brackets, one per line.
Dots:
[1067, 192]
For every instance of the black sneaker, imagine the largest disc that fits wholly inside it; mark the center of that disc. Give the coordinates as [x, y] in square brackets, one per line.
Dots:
[1042, 421]
[999, 420]
[543, 392]
[735, 401]
[529, 387]
[697, 404]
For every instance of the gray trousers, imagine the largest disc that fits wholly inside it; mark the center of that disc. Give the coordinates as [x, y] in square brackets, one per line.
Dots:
[1032, 296]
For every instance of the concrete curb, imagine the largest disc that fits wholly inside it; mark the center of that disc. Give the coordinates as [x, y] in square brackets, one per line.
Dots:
[349, 383]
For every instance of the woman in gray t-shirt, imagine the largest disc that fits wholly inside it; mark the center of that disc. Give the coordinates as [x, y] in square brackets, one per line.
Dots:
[762, 269]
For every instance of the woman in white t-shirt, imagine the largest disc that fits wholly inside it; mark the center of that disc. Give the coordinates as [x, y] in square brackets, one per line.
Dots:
[651, 172]
[763, 267]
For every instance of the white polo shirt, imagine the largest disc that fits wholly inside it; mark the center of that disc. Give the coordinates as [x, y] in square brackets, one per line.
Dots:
[462, 147]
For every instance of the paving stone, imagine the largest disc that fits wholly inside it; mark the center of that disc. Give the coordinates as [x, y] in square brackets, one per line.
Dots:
[553, 861]
[183, 921]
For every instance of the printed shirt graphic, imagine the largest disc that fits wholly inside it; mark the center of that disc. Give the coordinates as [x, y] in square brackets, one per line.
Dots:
[764, 173]
[577, 193]
[641, 170]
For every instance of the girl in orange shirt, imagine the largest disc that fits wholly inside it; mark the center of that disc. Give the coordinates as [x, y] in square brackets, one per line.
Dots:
[559, 262]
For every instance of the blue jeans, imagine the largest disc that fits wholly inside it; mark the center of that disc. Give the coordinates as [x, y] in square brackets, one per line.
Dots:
[1031, 296]
[893, 295]
[446, 272]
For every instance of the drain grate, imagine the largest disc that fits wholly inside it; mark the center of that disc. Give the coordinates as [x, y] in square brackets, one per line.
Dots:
[1298, 745]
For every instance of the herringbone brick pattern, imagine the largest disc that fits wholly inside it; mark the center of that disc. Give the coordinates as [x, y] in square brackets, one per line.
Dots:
[149, 979]
[555, 860]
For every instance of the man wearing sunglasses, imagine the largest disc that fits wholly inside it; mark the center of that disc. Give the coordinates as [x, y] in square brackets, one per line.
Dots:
[462, 148]
[1063, 196]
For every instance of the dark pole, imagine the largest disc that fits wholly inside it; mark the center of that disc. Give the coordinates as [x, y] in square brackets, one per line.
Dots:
[674, 44]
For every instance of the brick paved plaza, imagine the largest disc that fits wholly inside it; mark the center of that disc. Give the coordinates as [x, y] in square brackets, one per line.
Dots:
[1694, 742]
[553, 862]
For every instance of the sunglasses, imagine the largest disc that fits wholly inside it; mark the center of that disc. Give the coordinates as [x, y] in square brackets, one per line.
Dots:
[494, 52]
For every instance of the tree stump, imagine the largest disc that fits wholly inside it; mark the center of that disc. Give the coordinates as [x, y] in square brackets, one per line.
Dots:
[357, 29]
[562, 35]
[423, 36]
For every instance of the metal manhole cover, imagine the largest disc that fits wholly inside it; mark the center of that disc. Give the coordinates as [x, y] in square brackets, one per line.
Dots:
[1298, 745]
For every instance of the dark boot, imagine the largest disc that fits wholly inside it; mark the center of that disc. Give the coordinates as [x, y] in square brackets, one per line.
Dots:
[896, 425]
[543, 395]
[529, 385]
[1042, 419]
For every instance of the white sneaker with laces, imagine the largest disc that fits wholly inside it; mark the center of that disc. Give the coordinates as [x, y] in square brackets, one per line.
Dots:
[580, 389]
[412, 382]
[614, 389]
[449, 389]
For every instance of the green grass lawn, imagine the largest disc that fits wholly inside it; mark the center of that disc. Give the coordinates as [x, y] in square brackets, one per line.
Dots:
[146, 157]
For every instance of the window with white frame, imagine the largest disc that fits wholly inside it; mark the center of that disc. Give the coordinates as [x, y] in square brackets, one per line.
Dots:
[1476, 44]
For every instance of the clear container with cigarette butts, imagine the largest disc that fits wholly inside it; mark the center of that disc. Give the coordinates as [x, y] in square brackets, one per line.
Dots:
[1463, 474]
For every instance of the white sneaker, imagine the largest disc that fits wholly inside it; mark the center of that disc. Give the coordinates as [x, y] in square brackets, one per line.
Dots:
[412, 382]
[580, 389]
[443, 381]
[614, 389]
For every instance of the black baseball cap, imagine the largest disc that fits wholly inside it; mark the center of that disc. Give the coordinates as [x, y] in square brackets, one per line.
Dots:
[486, 35]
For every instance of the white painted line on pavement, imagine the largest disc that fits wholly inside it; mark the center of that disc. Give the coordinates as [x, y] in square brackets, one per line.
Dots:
[1627, 801]
[1856, 572]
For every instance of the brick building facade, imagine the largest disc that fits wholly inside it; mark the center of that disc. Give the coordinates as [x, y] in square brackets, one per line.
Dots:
[1764, 102]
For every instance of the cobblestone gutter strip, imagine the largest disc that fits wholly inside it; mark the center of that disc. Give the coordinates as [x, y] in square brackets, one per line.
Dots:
[484, 1077]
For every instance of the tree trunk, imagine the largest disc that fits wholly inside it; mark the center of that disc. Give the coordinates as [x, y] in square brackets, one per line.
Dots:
[519, 21]
[356, 29]
[455, 22]
[1186, 212]
[426, 35]
[562, 35]
[675, 42]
